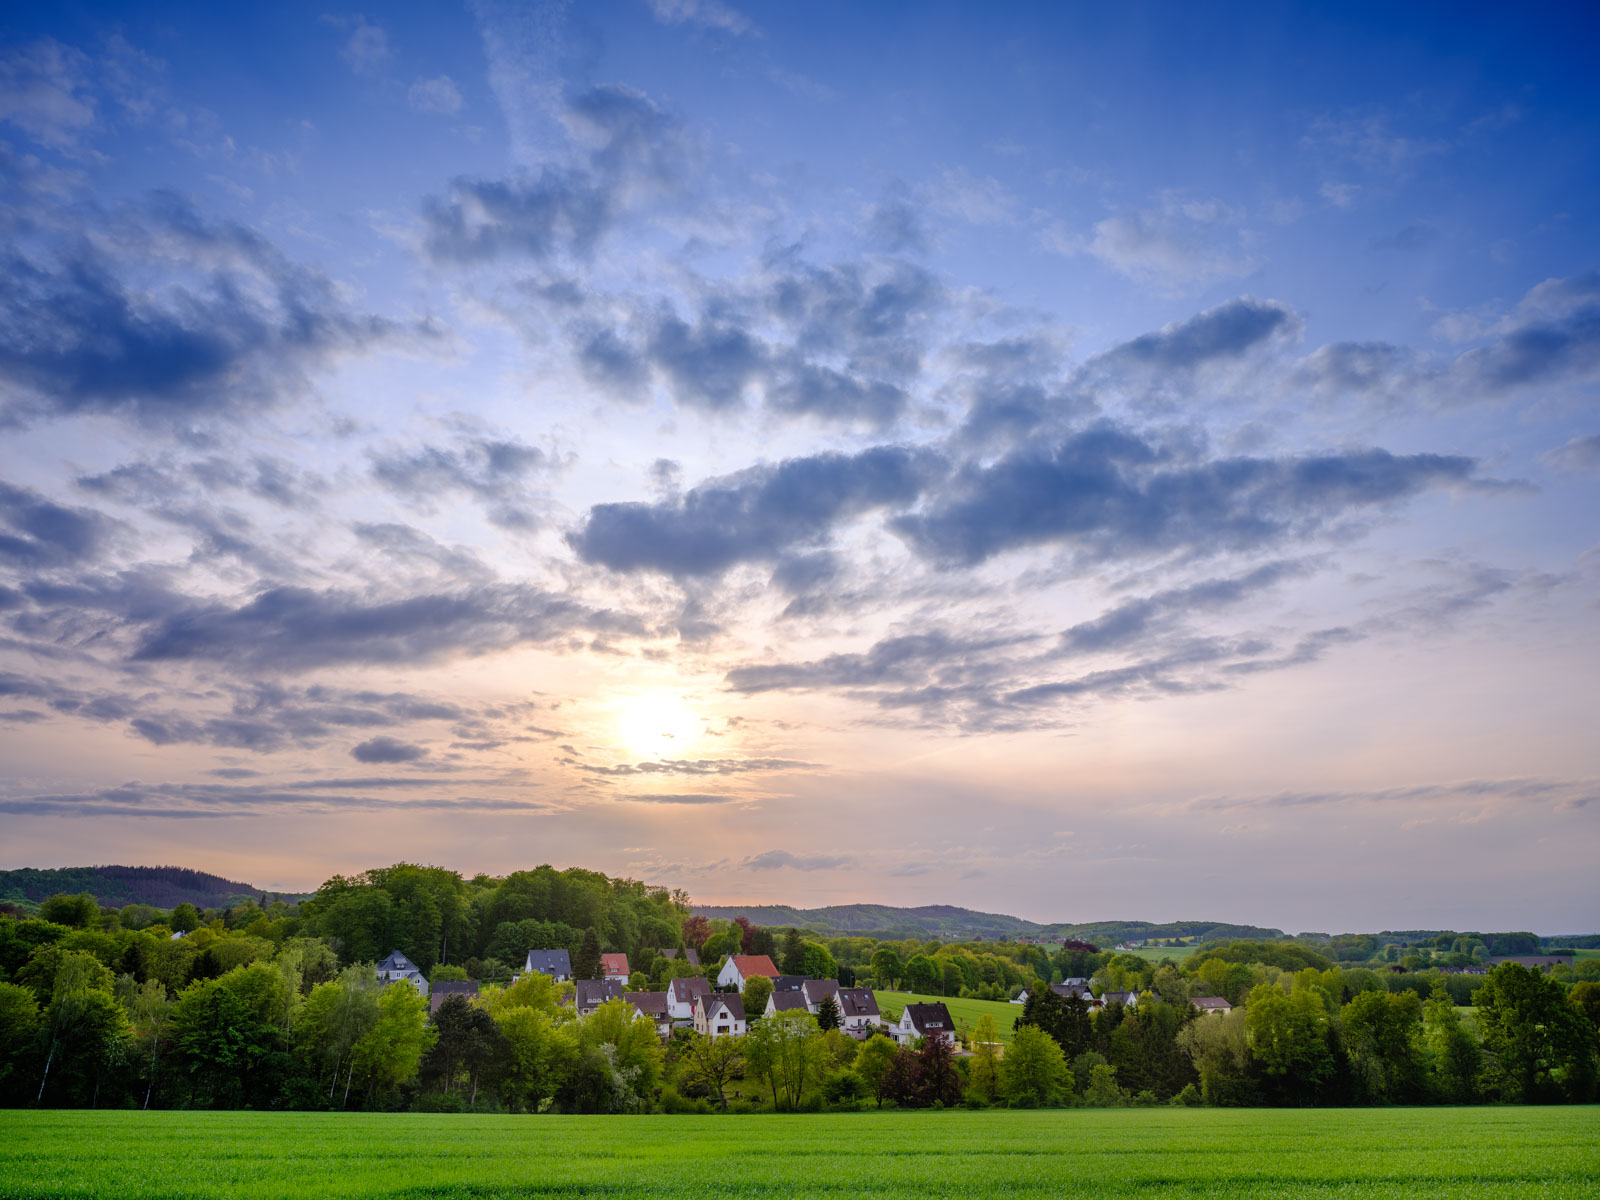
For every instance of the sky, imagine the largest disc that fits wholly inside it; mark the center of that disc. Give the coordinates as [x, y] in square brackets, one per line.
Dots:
[1081, 462]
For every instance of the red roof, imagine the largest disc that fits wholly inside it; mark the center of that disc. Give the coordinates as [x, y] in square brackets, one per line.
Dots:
[755, 964]
[614, 964]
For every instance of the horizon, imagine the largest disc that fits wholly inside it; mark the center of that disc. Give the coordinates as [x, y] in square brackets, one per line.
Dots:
[1037, 456]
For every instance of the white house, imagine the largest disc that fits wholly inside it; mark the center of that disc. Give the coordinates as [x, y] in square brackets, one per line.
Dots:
[1126, 999]
[614, 967]
[923, 1020]
[740, 967]
[652, 1006]
[681, 994]
[398, 968]
[719, 1015]
[555, 963]
[858, 1012]
[1212, 1004]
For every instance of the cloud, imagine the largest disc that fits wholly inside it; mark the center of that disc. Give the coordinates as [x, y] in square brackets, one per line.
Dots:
[367, 47]
[385, 749]
[186, 801]
[439, 95]
[757, 515]
[232, 325]
[1134, 620]
[1179, 246]
[45, 92]
[494, 470]
[35, 532]
[958, 193]
[695, 766]
[680, 798]
[1228, 331]
[1108, 492]
[773, 860]
[708, 14]
[1579, 454]
[901, 660]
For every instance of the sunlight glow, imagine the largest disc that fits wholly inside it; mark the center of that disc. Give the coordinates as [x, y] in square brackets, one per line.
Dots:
[658, 725]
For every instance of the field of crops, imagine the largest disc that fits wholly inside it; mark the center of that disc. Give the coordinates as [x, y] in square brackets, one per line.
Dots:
[1487, 1152]
[964, 1012]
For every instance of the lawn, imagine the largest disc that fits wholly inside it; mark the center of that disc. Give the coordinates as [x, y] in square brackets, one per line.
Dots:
[1487, 1153]
[964, 1012]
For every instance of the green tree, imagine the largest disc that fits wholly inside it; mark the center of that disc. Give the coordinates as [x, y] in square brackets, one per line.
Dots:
[1102, 1091]
[787, 1050]
[334, 1018]
[757, 990]
[468, 1042]
[1538, 1046]
[75, 912]
[540, 1055]
[634, 1044]
[817, 963]
[85, 1030]
[148, 1008]
[185, 918]
[1219, 1049]
[886, 966]
[983, 1076]
[712, 1063]
[875, 1064]
[586, 962]
[1288, 1036]
[828, 1014]
[389, 1054]
[1034, 1072]
[1452, 1050]
[793, 956]
[1382, 1035]
[921, 974]
[19, 1031]
[227, 1044]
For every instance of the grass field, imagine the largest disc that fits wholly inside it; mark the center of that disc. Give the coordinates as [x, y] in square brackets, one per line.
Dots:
[1488, 1153]
[1156, 953]
[964, 1012]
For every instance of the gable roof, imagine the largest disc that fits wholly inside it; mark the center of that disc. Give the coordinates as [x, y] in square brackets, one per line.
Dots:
[549, 962]
[683, 991]
[397, 962]
[788, 1002]
[651, 1004]
[1210, 1002]
[614, 964]
[857, 1002]
[755, 964]
[1070, 989]
[592, 993]
[815, 989]
[929, 1016]
[1123, 998]
[716, 1000]
[789, 983]
[443, 990]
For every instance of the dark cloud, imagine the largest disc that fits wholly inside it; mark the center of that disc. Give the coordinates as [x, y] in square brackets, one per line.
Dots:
[709, 364]
[907, 659]
[213, 800]
[773, 860]
[1228, 331]
[1109, 492]
[758, 515]
[300, 629]
[387, 750]
[35, 532]
[234, 326]
[495, 471]
[1134, 620]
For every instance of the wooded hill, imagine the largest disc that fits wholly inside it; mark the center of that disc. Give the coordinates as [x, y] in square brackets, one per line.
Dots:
[949, 923]
[113, 887]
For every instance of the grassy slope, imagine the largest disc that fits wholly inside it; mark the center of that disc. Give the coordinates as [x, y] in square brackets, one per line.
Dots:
[1156, 953]
[964, 1012]
[1487, 1153]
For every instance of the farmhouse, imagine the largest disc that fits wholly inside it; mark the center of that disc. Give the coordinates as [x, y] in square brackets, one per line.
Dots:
[614, 966]
[719, 1015]
[740, 967]
[921, 1021]
[443, 990]
[681, 994]
[555, 963]
[398, 968]
[1212, 1004]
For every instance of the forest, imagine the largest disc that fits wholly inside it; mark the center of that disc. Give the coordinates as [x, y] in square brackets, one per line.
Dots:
[278, 1006]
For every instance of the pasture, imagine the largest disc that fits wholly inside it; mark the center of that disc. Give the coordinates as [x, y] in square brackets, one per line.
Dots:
[965, 1013]
[1479, 1152]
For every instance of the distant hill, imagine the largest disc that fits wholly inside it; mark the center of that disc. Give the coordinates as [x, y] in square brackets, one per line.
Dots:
[948, 923]
[112, 887]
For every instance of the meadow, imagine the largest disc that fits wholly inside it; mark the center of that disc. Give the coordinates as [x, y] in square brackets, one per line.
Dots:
[965, 1013]
[1482, 1152]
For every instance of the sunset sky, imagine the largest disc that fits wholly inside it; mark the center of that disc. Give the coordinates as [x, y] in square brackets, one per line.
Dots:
[1077, 462]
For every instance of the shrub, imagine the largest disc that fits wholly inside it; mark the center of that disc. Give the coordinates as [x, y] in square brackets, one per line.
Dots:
[841, 1087]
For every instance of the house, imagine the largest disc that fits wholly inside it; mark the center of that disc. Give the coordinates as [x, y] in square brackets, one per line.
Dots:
[555, 963]
[1212, 1004]
[590, 994]
[653, 1007]
[719, 1015]
[858, 1012]
[614, 966]
[921, 1021]
[398, 968]
[692, 957]
[444, 989]
[1067, 989]
[789, 983]
[681, 995]
[1126, 999]
[740, 967]
[815, 990]
[781, 1002]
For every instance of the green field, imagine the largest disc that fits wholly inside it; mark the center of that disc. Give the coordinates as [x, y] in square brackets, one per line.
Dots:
[964, 1012]
[1156, 953]
[1490, 1153]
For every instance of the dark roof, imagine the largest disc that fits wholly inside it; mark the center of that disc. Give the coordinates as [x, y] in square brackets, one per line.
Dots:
[1210, 1002]
[1123, 998]
[651, 1004]
[789, 983]
[550, 962]
[692, 957]
[685, 990]
[397, 962]
[857, 1002]
[443, 990]
[788, 1002]
[1531, 960]
[1068, 990]
[592, 993]
[730, 1000]
[815, 989]
[930, 1016]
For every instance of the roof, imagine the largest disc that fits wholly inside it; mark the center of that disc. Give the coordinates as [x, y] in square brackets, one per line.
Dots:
[614, 964]
[692, 957]
[857, 1002]
[727, 1000]
[651, 1004]
[755, 964]
[550, 962]
[929, 1016]
[1123, 998]
[683, 991]
[1210, 1002]
[788, 1002]
[592, 993]
[444, 989]
[815, 989]
[790, 983]
[397, 962]
[1068, 990]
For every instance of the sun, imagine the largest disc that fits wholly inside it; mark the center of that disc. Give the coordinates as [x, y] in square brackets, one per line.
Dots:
[658, 725]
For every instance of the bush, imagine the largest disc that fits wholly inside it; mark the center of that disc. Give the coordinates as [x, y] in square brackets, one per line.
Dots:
[672, 1101]
[441, 1102]
[841, 1087]
[1188, 1098]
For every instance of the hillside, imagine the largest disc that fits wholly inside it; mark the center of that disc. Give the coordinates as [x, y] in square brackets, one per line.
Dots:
[112, 887]
[946, 922]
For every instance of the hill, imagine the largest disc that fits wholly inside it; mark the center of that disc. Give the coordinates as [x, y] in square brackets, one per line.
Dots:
[948, 923]
[112, 887]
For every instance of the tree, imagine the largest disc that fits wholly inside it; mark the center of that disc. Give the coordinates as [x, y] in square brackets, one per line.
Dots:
[1538, 1046]
[390, 1053]
[333, 1019]
[227, 1043]
[757, 990]
[635, 1048]
[85, 1030]
[828, 1014]
[937, 1080]
[1103, 1091]
[1219, 1050]
[921, 974]
[586, 962]
[793, 955]
[712, 1063]
[185, 918]
[983, 1076]
[1288, 1036]
[874, 1064]
[787, 1050]
[817, 963]
[539, 1056]
[1453, 1052]
[19, 1031]
[886, 966]
[148, 1007]
[468, 1041]
[75, 912]
[1034, 1072]
[1382, 1035]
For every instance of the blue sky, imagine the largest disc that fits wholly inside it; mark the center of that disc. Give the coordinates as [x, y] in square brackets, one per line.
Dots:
[1081, 463]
